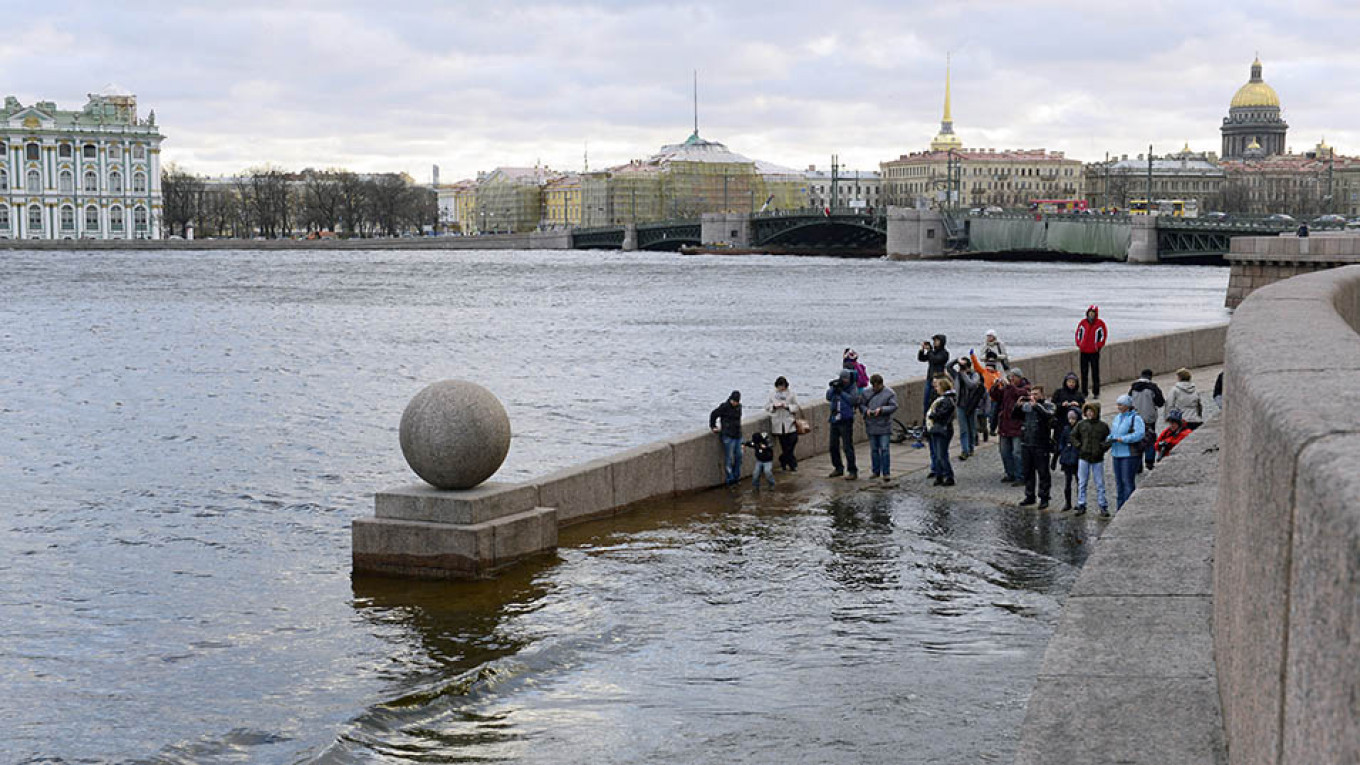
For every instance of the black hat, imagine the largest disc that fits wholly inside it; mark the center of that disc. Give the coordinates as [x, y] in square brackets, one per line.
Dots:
[736, 396]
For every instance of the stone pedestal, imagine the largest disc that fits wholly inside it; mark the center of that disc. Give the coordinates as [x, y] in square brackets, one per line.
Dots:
[725, 229]
[436, 534]
[914, 234]
[1143, 240]
[629, 238]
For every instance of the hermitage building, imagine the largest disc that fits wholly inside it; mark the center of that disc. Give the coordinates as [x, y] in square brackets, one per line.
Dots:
[88, 174]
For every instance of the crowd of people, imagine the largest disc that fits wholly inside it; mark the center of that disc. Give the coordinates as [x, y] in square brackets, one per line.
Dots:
[982, 396]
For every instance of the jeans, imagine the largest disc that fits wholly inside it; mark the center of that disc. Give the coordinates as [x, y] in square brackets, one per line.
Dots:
[788, 442]
[1035, 463]
[1086, 472]
[732, 458]
[939, 455]
[1090, 362]
[967, 432]
[843, 437]
[1125, 473]
[879, 456]
[1010, 457]
[762, 468]
[1150, 453]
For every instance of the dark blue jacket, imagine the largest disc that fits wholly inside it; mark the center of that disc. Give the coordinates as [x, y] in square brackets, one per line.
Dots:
[1067, 455]
[845, 400]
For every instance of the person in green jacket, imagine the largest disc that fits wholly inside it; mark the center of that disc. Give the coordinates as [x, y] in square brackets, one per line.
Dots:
[1089, 438]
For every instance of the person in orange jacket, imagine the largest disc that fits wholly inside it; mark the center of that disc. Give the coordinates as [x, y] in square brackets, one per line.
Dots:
[1175, 432]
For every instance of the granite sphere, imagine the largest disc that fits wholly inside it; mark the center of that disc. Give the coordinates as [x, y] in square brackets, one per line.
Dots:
[455, 434]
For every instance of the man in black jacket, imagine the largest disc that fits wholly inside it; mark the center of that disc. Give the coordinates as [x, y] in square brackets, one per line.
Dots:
[936, 357]
[1036, 442]
[728, 413]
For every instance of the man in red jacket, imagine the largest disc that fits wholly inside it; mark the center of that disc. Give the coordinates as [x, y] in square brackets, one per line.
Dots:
[1091, 337]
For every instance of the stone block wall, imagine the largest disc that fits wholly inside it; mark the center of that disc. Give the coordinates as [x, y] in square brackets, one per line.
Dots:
[1259, 261]
[1287, 553]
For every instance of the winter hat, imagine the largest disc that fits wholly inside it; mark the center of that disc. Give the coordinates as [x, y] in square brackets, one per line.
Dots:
[851, 355]
[847, 373]
[735, 396]
[1072, 414]
[1125, 400]
[1015, 372]
[1071, 376]
[991, 333]
[1147, 373]
[1175, 416]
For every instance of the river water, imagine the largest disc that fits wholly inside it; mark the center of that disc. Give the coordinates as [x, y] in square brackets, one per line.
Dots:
[187, 437]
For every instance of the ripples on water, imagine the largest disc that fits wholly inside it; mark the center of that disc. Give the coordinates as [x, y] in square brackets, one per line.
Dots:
[188, 435]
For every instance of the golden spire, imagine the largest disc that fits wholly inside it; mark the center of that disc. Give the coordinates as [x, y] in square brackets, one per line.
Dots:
[946, 139]
[947, 118]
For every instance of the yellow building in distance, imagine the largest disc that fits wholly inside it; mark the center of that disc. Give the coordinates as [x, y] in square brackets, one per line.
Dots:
[562, 202]
[979, 177]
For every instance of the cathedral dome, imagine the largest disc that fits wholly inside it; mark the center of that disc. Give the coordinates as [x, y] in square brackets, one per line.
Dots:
[1256, 92]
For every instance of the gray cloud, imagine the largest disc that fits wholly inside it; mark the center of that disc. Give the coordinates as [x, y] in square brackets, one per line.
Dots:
[470, 86]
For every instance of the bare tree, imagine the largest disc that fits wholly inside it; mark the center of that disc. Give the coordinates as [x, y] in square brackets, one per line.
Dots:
[182, 195]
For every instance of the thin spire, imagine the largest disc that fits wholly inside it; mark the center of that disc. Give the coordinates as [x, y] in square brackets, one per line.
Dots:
[947, 118]
[696, 103]
[585, 158]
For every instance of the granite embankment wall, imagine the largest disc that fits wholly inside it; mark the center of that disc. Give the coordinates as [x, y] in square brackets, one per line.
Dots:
[1258, 261]
[1287, 555]
[419, 531]
[1128, 676]
[693, 461]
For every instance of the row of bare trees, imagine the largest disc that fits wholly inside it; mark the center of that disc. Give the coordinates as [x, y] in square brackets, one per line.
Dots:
[274, 203]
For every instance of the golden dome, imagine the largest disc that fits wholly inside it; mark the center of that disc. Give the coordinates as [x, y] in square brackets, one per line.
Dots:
[1256, 92]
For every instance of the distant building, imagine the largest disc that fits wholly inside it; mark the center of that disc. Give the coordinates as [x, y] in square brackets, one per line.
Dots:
[981, 177]
[456, 202]
[88, 174]
[510, 199]
[854, 188]
[1185, 175]
[1317, 181]
[1006, 178]
[1254, 127]
[562, 202]
[686, 180]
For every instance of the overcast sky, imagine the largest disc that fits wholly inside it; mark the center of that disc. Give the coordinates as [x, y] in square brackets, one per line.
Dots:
[404, 85]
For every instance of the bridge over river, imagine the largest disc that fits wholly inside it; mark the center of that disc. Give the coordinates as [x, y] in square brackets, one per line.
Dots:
[910, 233]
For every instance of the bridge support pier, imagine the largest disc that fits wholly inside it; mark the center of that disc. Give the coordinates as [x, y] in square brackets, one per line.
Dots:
[914, 234]
[630, 243]
[725, 229]
[1143, 240]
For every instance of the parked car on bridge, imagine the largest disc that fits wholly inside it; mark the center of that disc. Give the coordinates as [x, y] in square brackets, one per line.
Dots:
[1329, 221]
[1280, 218]
[1216, 215]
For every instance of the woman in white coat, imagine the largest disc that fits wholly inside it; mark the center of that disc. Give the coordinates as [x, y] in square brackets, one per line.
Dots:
[783, 409]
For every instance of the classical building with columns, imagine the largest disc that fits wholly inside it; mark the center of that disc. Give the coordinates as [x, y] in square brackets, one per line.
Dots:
[88, 174]
[1254, 127]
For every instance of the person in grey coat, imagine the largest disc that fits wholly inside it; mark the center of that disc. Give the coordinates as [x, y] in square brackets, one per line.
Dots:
[878, 418]
[1147, 399]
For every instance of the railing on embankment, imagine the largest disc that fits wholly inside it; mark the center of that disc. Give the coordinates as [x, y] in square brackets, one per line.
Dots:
[1287, 555]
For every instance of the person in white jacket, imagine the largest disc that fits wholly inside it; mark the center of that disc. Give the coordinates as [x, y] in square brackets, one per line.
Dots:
[1185, 398]
[783, 408]
[993, 343]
